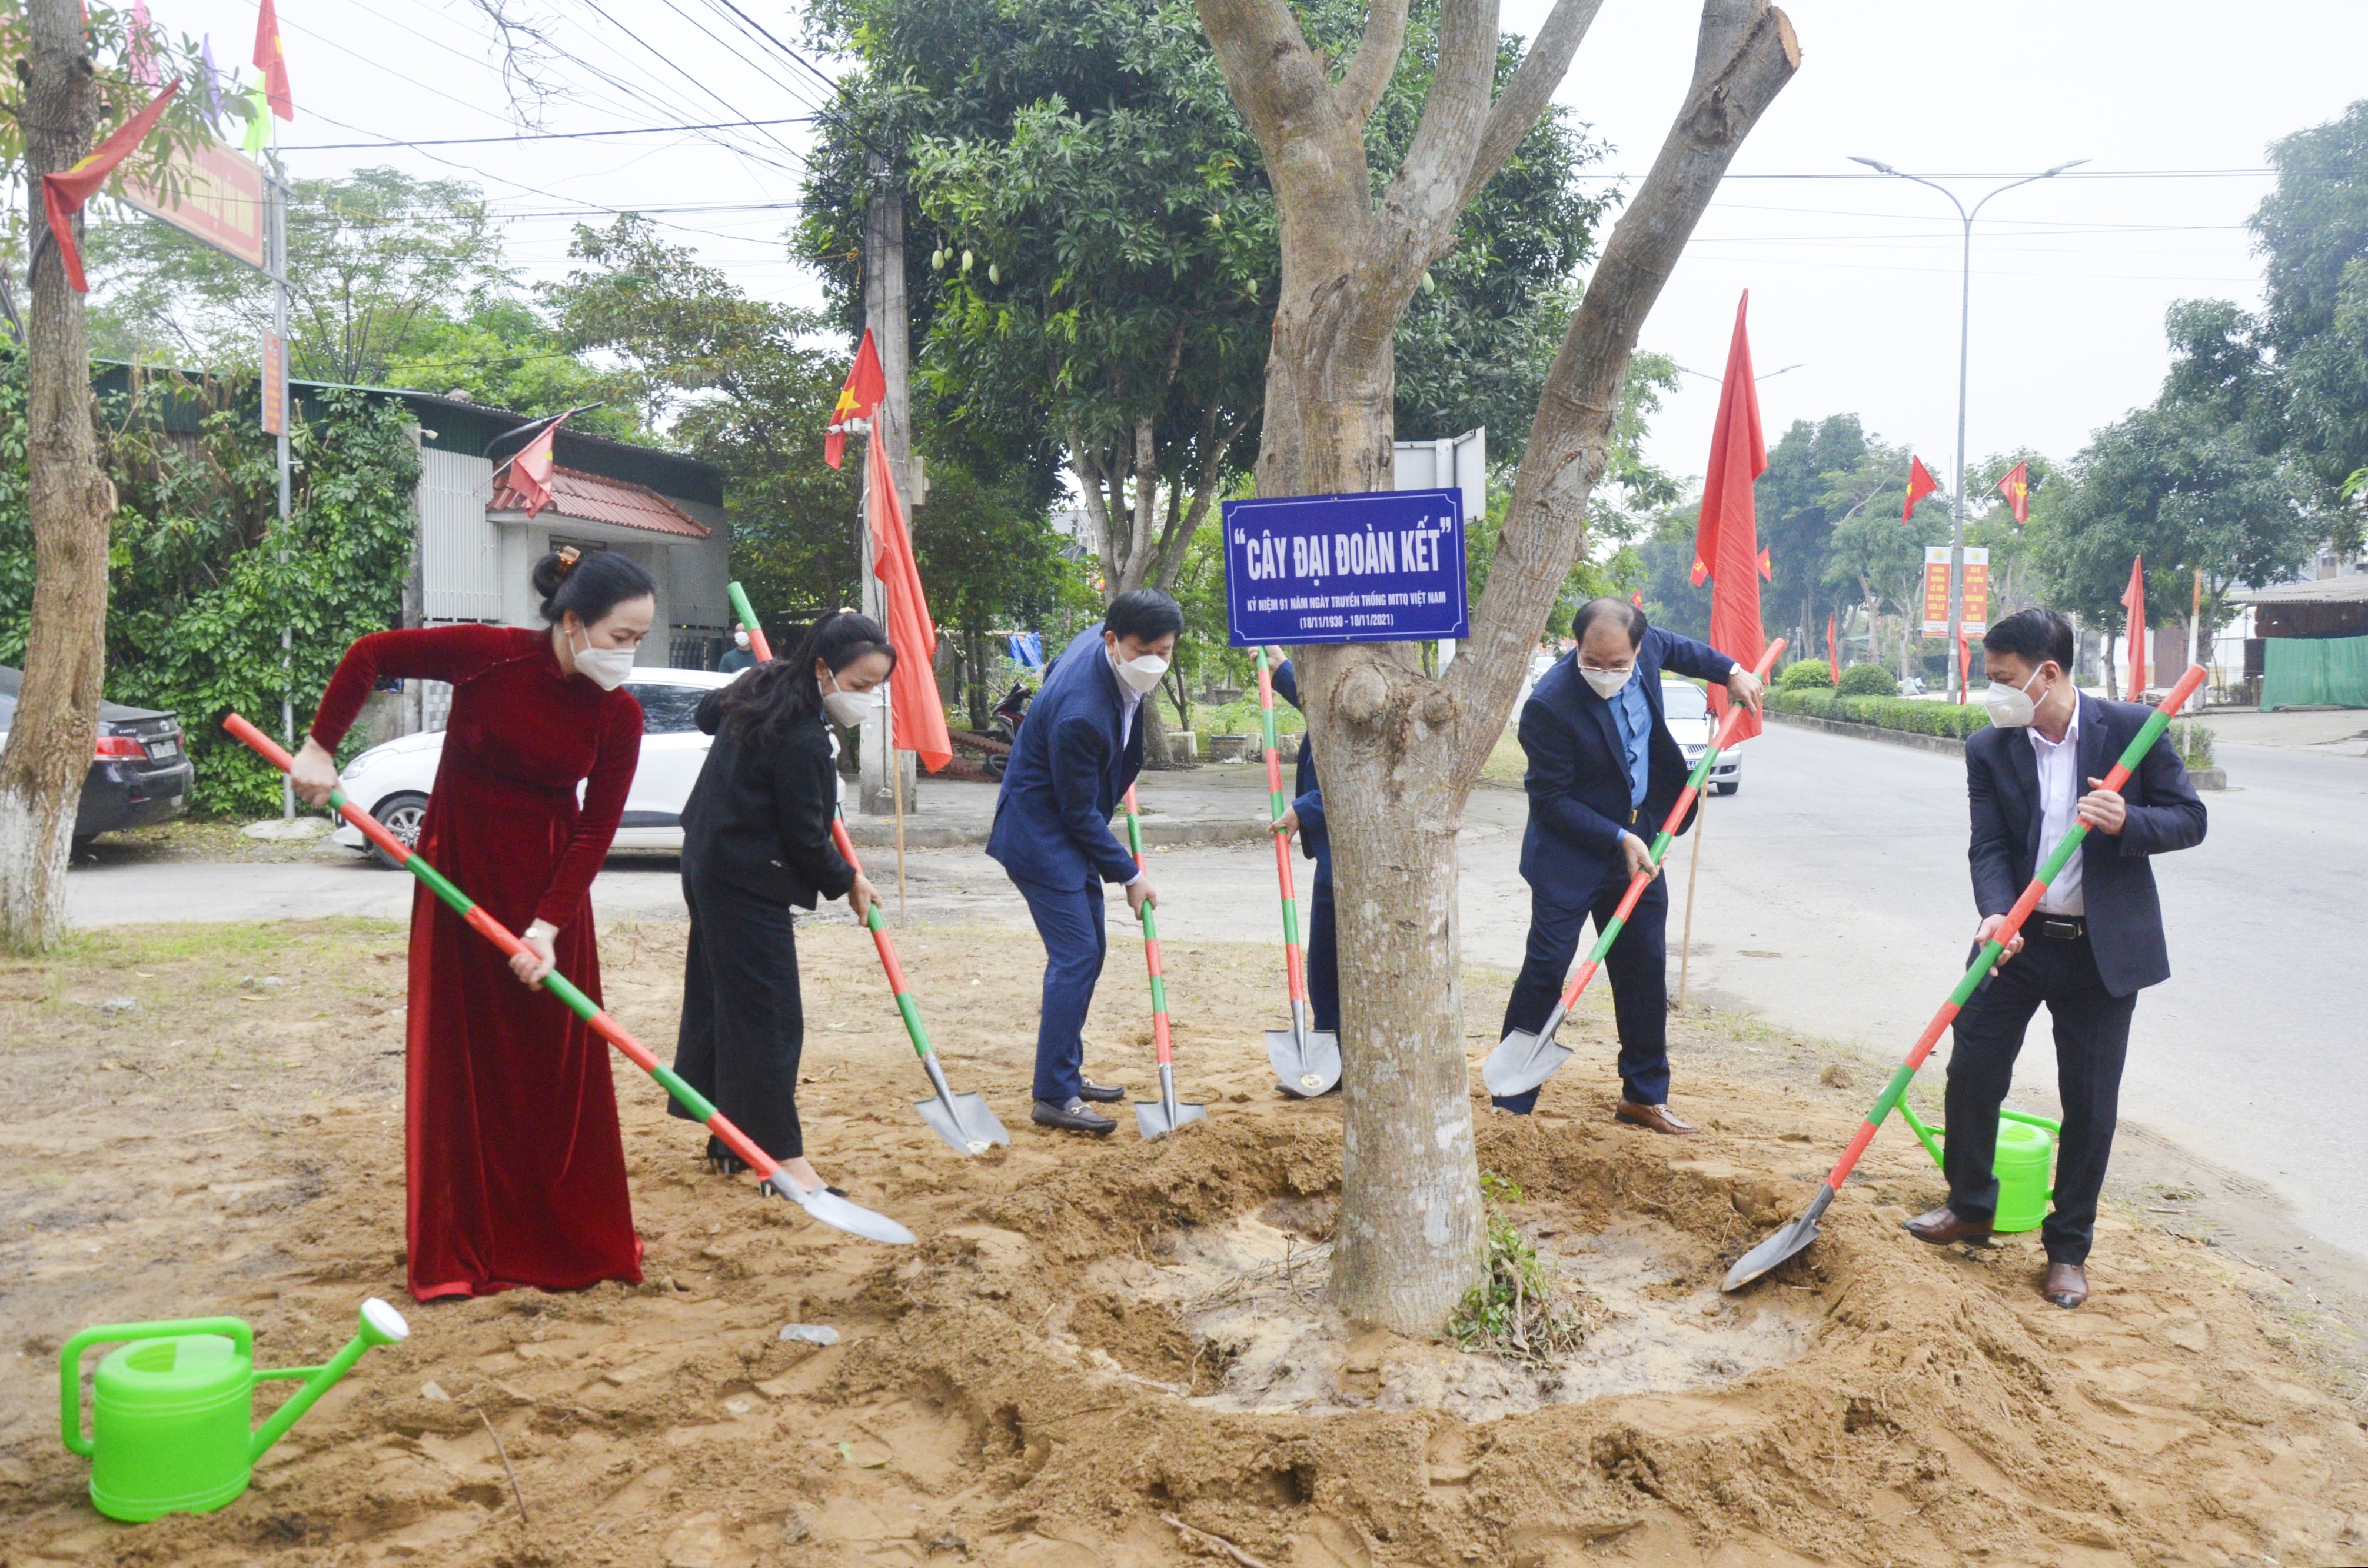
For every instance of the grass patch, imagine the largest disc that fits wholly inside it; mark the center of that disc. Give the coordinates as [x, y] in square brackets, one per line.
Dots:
[1506, 761]
[1521, 1310]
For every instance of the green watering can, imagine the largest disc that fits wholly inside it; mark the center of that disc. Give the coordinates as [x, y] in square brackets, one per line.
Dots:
[2024, 1165]
[169, 1410]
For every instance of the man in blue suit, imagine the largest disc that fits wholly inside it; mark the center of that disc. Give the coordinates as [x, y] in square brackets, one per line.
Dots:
[1604, 772]
[2094, 942]
[1078, 751]
[1304, 816]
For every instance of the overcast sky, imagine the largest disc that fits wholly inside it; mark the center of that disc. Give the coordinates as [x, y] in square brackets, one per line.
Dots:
[1854, 277]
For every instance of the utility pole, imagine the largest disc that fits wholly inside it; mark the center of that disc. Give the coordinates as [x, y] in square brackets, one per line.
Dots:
[885, 314]
[1965, 357]
[276, 186]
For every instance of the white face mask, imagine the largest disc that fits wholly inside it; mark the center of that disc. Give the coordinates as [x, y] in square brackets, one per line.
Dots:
[604, 667]
[1608, 683]
[848, 709]
[1141, 674]
[2010, 706]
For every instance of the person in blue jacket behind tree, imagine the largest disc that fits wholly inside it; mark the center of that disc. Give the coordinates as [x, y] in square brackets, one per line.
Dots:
[1304, 816]
[1078, 753]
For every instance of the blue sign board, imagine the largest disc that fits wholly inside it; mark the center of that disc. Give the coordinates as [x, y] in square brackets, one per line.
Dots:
[1383, 567]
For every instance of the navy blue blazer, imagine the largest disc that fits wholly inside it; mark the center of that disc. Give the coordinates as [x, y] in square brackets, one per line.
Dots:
[1577, 776]
[1066, 775]
[2116, 874]
[1307, 792]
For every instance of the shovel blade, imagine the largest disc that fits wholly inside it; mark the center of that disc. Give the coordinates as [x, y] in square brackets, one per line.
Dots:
[1152, 1120]
[969, 1128]
[1520, 1062]
[1787, 1243]
[841, 1214]
[1303, 1072]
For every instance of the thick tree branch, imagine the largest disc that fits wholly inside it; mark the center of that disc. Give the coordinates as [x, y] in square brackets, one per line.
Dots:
[1746, 53]
[1376, 61]
[1532, 88]
[1275, 78]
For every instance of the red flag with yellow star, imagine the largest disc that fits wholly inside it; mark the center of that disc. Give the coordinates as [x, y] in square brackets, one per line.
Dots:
[272, 61]
[63, 195]
[2016, 488]
[859, 399]
[1920, 484]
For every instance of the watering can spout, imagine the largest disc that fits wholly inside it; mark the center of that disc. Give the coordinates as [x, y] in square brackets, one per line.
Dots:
[380, 1324]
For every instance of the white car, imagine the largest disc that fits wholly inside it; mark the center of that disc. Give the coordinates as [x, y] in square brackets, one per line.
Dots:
[392, 781]
[1687, 711]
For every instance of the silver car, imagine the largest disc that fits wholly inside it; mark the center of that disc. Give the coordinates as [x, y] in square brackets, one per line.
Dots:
[1691, 721]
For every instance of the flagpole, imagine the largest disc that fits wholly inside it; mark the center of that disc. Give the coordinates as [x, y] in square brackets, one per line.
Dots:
[279, 213]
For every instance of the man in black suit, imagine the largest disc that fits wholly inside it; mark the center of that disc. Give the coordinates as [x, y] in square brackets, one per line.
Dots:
[2094, 942]
[1604, 772]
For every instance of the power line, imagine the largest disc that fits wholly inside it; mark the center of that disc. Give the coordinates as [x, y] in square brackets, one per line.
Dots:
[543, 135]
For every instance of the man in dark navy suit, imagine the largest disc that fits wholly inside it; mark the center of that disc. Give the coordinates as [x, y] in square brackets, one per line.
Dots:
[2094, 942]
[1078, 751]
[1604, 772]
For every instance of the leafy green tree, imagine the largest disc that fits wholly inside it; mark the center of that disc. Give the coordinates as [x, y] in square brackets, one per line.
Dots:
[393, 281]
[1873, 551]
[1094, 257]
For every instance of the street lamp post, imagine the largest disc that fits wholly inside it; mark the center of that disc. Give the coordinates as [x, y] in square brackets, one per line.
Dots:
[1964, 351]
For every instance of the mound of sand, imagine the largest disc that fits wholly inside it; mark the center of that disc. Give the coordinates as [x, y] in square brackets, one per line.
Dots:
[1109, 1354]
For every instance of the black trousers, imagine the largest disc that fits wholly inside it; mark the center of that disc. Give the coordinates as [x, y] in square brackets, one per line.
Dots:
[1322, 952]
[1639, 965]
[743, 1022]
[2092, 1039]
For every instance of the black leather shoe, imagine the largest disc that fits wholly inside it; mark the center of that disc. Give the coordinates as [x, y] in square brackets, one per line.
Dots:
[1941, 1227]
[1072, 1117]
[1100, 1094]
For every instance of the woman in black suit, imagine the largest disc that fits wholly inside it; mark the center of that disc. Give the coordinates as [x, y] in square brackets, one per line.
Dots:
[755, 840]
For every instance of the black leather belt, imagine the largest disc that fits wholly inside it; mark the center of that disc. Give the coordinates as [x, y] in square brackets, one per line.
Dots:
[2061, 928]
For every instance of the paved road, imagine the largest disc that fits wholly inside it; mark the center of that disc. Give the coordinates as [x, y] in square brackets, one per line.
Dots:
[1833, 900]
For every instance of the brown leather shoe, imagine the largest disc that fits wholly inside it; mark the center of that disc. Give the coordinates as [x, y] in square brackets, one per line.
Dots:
[1658, 1117]
[2067, 1285]
[1941, 1227]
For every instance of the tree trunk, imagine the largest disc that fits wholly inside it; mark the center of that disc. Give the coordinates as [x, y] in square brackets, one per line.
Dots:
[71, 502]
[982, 708]
[1400, 750]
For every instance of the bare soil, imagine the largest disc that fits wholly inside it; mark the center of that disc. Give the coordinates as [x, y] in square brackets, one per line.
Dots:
[1050, 1378]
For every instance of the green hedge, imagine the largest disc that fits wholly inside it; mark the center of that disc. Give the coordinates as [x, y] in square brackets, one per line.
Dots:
[1810, 675]
[1868, 680]
[1885, 712]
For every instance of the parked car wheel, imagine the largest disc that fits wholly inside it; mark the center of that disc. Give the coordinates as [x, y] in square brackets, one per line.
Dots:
[400, 815]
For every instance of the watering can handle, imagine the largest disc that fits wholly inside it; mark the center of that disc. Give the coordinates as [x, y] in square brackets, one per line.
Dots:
[70, 1362]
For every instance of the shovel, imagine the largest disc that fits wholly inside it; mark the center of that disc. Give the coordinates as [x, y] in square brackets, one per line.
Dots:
[1157, 1119]
[1306, 1060]
[821, 1203]
[1796, 1236]
[963, 1120]
[1523, 1059]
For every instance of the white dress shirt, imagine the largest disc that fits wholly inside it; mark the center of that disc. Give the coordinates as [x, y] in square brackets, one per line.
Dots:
[2059, 800]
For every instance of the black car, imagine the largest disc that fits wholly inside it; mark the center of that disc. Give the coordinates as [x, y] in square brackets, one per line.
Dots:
[139, 771]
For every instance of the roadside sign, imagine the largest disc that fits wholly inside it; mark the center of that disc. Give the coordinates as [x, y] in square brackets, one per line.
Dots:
[1976, 615]
[221, 200]
[275, 384]
[1386, 566]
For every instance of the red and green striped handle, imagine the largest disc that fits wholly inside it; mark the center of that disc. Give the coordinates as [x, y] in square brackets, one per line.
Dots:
[1150, 943]
[1643, 879]
[1294, 973]
[1995, 949]
[758, 644]
[558, 985]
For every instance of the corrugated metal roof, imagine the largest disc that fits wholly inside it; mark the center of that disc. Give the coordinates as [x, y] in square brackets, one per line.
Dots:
[2351, 589]
[590, 499]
